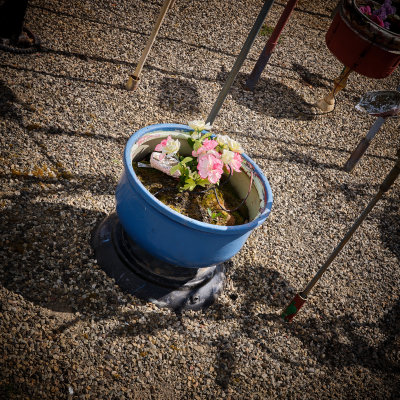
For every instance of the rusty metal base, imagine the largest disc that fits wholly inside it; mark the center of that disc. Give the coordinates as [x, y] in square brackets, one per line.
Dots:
[141, 274]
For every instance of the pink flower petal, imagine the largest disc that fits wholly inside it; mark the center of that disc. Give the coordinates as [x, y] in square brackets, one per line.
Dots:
[162, 144]
[210, 167]
[210, 144]
[377, 20]
[236, 163]
[366, 10]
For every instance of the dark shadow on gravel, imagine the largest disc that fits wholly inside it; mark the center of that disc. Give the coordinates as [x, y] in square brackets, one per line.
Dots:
[101, 59]
[97, 184]
[56, 131]
[390, 225]
[226, 361]
[89, 82]
[335, 343]
[266, 285]
[178, 95]
[340, 342]
[311, 78]
[354, 192]
[136, 32]
[295, 157]
[261, 285]
[299, 158]
[94, 82]
[137, 323]
[317, 146]
[45, 255]
[7, 103]
[270, 97]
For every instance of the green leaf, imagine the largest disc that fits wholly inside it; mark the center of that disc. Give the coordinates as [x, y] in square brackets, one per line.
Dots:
[202, 182]
[186, 160]
[189, 185]
[174, 169]
[197, 145]
[205, 136]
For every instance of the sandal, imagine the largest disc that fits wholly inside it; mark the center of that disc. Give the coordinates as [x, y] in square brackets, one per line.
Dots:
[26, 43]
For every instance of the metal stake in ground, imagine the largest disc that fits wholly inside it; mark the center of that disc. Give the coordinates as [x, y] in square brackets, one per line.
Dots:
[270, 45]
[133, 80]
[294, 306]
[239, 60]
[382, 104]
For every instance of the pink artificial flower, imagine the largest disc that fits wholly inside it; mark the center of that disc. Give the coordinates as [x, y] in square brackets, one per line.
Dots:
[366, 10]
[377, 20]
[167, 146]
[210, 167]
[208, 146]
[236, 163]
[163, 143]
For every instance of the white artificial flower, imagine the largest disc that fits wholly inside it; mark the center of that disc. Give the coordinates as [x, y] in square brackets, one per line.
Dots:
[195, 135]
[227, 156]
[235, 146]
[172, 146]
[199, 125]
[222, 140]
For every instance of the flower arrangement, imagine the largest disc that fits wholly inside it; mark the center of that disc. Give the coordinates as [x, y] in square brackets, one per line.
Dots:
[384, 16]
[212, 155]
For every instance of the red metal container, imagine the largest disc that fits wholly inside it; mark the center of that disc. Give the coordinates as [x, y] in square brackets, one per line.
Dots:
[362, 45]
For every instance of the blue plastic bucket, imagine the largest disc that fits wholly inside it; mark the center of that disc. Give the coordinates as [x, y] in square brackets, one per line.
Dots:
[171, 236]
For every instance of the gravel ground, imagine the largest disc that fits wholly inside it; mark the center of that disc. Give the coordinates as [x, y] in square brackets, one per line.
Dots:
[67, 331]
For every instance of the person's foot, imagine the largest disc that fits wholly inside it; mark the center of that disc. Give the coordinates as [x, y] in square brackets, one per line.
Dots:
[26, 42]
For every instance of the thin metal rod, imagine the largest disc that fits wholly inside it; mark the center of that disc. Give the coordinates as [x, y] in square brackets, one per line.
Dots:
[346, 238]
[387, 183]
[152, 38]
[240, 60]
[270, 45]
[327, 104]
[363, 145]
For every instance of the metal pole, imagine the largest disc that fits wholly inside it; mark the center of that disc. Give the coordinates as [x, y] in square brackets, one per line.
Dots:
[133, 80]
[327, 104]
[340, 246]
[239, 60]
[364, 143]
[294, 306]
[393, 174]
[270, 46]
